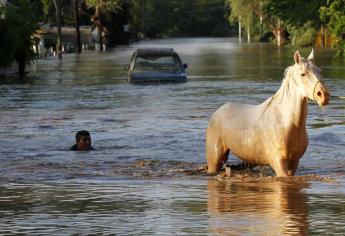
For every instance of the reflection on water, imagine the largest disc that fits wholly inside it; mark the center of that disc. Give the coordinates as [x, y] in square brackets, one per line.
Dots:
[93, 207]
[271, 208]
[145, 177]
[201, 206]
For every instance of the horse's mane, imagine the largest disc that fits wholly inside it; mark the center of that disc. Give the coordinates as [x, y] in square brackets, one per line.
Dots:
[285, 86]
[284, 89]
[288, 81]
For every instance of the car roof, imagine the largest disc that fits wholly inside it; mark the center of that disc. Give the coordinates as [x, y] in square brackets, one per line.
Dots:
[155, 51]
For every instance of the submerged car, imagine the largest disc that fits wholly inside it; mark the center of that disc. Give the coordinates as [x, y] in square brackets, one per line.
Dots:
[156, 65]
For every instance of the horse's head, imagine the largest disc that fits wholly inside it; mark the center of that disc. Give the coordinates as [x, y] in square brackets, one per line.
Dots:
[308, 78]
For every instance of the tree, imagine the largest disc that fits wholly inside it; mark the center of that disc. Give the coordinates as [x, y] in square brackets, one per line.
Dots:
[334, 16]
[176, 18]
[299, 17]
[101, 7]
[17, 26]
[77, 25]
[70, 17]
[295, 12]
[7, 49]
[57, 4]
[246, 13]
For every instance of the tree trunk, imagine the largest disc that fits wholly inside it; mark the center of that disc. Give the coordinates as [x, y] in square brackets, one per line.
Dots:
[58, 21]
[77, 25]
[323, 37]
[279, 34]
[261, 27]
[99, 24]
[21, 68]
[144, 18]
[239, 30]
[248, 30]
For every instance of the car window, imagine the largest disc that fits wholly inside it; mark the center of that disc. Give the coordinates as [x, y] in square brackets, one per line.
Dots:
[157, 62]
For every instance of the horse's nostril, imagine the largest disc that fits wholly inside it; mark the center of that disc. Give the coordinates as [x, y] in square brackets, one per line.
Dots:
[319, 94]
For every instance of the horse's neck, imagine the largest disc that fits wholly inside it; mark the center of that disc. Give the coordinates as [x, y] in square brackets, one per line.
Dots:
[292, 106]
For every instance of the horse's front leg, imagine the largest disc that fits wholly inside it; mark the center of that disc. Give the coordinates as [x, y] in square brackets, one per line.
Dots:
[292, 167]
[281, 167]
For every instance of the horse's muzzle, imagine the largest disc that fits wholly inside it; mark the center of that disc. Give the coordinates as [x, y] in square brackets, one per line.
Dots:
[321, 94]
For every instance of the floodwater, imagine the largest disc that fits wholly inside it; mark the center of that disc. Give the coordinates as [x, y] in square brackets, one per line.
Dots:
[145, 177]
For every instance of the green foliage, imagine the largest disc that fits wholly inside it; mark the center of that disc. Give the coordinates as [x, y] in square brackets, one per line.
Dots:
[45, 7]
[300, 18]
[252, 16]
[160, 18]
[295, 12]
[48, 15]
[6, 49]
[334, 16]
[16, 29]
[245, 9]
[106, 5]
[302, 36]
[141, 16]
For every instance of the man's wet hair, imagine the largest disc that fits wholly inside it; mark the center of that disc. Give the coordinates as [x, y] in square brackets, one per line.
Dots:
[81, 133]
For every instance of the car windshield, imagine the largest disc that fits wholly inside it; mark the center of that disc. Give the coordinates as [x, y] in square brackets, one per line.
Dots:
[157, 62]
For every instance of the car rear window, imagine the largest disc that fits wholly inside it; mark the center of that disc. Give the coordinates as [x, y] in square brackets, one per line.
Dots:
[157, 62]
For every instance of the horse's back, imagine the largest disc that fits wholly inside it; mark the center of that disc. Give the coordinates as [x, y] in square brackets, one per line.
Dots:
[236, 115]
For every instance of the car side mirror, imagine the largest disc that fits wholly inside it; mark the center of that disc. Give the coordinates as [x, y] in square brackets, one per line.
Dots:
[185, 66]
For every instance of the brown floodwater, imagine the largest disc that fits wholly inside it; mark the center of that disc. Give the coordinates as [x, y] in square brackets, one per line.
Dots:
[145, 177]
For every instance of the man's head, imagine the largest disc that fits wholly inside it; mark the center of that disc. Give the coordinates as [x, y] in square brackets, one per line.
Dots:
[83, 140]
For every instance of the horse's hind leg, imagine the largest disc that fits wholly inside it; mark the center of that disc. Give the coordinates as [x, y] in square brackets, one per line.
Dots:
[215, 153]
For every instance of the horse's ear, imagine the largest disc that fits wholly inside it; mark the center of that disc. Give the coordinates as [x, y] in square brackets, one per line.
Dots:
[311, 55]
[297, 57]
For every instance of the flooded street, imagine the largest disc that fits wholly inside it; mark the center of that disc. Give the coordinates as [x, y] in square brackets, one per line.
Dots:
[144, 177]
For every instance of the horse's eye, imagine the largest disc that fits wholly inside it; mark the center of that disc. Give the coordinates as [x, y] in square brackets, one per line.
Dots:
[303, 74]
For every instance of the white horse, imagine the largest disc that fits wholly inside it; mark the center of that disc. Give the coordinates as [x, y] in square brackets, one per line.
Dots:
[272, 133]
